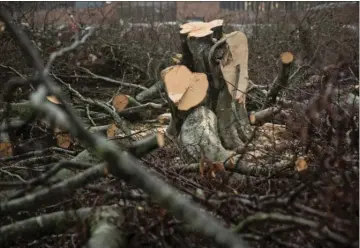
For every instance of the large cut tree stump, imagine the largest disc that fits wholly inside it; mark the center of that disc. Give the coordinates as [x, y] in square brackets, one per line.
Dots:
[207, 91]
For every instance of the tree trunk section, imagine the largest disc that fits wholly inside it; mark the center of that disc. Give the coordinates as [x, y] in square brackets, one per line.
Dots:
[219, 124]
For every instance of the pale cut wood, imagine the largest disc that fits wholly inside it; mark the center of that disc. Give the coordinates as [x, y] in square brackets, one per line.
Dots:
[120, 102]
[216, 23]
[112, 131]
[286, 57]
[200, 29]
[192, 26]
[184, 88]
[160, 137]
[235, 65]
[177, 80]
[196, 92]
[203, 32]
[53, 99]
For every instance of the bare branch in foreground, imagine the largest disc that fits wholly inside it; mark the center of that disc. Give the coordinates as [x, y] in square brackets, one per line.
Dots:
[322, 229]
[120, 163]
[53, 193]
[59, 222]
[112, 80]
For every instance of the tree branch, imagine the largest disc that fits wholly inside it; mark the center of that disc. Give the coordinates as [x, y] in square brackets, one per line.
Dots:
[52, 223]
[120, 163]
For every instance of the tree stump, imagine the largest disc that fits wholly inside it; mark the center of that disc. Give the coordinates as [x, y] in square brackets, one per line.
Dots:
[207, 91]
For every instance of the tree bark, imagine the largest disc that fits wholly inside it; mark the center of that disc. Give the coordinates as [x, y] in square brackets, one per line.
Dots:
[219, 124]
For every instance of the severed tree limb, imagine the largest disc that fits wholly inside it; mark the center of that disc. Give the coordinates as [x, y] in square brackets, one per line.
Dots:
[55, 193]
[152, 92]
[264, 115]
[59, 222]
[120, 163]
[276, 169]
[140, 108]
[281, 80]
[128, 107]
[138, 148]
[146, 145]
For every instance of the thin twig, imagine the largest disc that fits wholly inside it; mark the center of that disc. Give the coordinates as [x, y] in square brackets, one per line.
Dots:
[64, 50]
[13, 175]
[112, 80]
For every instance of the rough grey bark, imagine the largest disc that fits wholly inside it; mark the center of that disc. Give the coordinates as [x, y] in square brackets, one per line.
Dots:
[219, 124]
[59, 222]
[105, 231]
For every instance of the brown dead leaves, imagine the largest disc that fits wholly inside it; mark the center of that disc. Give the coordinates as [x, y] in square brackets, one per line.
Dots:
[210, 169]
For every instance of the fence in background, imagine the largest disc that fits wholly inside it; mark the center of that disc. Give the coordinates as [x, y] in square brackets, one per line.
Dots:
[157, 11]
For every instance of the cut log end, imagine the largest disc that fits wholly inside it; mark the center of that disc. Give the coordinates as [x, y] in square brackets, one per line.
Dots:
[2, 26]
[160, 137]
[196, 93]
[5, 149]
[63, 138]
[53, 99]
[200, 29]
[184, 88]
[111, 131]
[192, 25]
[200, 33]
[252, 118]
[286, 57]
[216, 23]
[177, 80]
[120, 102]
